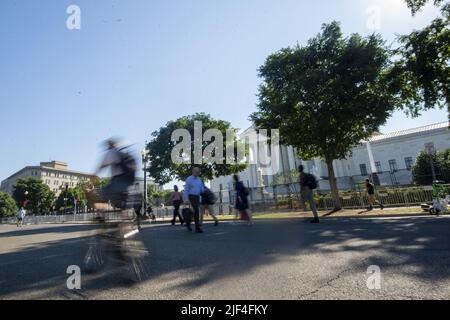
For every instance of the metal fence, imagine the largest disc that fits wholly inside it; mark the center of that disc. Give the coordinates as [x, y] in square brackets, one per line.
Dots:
[282, 198]
[287, 198]
[69, 218]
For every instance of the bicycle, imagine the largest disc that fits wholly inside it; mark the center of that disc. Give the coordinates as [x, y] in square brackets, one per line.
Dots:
[114, 242]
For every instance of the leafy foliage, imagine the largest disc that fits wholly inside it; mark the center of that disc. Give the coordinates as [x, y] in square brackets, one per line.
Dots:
[163, 170]
[8, 206]
[72, 194]
[421, 74]
[416, 5]
[326, 97]
[422, 173]
[40, 197]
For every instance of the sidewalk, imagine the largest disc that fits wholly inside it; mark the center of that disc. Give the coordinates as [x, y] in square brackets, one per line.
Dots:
[347, 213]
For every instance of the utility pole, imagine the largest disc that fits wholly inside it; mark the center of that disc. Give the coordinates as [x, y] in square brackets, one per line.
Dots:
[144, 164]
[65, 199]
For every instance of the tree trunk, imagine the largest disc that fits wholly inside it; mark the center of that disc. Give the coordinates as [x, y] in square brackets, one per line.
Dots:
[333, 185]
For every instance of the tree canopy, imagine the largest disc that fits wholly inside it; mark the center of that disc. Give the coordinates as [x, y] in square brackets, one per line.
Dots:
[422, 173]
[416, 5]
[327, 96]
[78, 193]
[163, 169]
[8, 206]
[39, 196]
[421, 73]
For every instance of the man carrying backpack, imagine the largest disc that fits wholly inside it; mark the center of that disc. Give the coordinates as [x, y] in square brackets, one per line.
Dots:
[123, 170]
[308, 183]
[370, 188]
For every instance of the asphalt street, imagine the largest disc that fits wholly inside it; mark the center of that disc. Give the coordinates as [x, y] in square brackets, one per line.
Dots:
[284, 259]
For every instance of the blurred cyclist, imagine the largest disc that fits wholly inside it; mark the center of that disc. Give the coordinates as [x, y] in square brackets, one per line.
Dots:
[123, 171]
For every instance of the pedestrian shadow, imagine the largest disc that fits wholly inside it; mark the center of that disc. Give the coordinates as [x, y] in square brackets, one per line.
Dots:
[332, 212]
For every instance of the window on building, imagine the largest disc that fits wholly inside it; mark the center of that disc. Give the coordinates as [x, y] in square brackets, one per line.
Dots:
[393, 166]
[378, 166]
[363, 168]
[409, 162]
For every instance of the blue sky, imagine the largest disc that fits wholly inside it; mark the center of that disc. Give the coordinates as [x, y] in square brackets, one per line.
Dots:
[137, 64]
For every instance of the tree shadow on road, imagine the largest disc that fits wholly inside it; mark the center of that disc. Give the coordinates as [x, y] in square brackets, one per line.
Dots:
[416, 247]
[39, 230]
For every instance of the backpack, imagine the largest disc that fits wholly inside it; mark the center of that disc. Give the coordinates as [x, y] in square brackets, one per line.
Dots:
[128, 165]
[311, 181]
[187, 214]
[210, 197]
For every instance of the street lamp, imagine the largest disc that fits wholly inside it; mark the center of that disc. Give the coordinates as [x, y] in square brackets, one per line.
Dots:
[25, 202]
[145, 153]
[65, 198]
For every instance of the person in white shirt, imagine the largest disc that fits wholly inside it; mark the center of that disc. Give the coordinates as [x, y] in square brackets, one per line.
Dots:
[20, 216]
[192, 191]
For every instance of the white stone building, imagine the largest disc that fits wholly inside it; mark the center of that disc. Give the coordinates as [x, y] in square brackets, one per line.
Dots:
[393, 155]
[54, 174]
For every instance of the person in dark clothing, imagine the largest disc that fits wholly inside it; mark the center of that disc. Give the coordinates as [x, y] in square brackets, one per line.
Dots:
[242, 199]
[207, 204]
[370, 188]
[176, 198]
[307, 193]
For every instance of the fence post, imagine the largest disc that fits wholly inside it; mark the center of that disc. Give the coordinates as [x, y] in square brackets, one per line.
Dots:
[220, 200]
[291, 203]
[263, 198]
[275, 196]
[405, 196]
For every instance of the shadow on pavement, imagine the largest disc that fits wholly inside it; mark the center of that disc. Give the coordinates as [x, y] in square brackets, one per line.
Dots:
[230, 250]
[30, 230]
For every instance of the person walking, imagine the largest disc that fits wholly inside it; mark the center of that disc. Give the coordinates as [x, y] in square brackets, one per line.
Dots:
[20, 216]
[370, 188]
[207, 204]
[193, 189]
[308, 183]
[176, 200]
[242, 199]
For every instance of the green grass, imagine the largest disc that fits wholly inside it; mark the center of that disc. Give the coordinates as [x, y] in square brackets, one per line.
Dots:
[343, 213]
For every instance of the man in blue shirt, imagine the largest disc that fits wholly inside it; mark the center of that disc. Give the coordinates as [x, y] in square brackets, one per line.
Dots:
[192, 191]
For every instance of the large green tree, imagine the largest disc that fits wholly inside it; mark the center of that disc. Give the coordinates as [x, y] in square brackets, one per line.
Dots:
[420, 74]
[422, 171]
[77, 194]
[39, 196]
[8, 206]
[163, 169]
[327, 96]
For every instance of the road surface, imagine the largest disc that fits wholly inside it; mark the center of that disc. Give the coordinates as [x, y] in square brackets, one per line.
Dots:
[285, 259]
